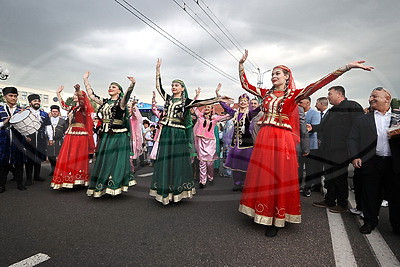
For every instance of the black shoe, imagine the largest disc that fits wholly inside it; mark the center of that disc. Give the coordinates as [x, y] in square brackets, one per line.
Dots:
[40, 179]
[237, 187]
[211, 182]
[2, 189]
[306, 192]
[271, 231]
[322, 204]
[201, 186]
[21, 187]
[366, 229]
[28, 182]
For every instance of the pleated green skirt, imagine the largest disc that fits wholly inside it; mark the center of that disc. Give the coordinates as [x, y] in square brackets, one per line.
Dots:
[112, 171]
[172, 177]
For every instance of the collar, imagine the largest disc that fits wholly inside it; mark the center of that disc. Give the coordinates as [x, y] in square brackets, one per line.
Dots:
[388, 113]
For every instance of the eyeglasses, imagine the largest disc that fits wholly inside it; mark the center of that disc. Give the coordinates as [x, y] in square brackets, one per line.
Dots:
[380, 88]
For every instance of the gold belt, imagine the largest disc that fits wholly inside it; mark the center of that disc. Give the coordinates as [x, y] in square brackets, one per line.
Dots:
[77, 125]
[117, 122]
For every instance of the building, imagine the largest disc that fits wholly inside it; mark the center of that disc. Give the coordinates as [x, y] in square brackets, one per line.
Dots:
[48, 97]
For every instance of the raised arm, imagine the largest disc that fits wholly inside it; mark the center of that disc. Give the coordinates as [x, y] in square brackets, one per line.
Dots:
[312, 88]
[81, 97]
[60, 99]
[89, 89]
[154, 108]
[260, 92]
[159, 88]
[126, 97]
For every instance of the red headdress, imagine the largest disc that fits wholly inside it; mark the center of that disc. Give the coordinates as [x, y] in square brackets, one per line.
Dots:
[294, 119]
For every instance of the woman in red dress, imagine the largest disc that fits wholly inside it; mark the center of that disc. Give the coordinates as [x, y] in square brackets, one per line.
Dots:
[271, 189]
[72, 167]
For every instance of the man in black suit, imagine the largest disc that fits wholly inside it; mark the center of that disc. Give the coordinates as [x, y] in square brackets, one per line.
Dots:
[55, 134]
[335, 129]
[376, 155]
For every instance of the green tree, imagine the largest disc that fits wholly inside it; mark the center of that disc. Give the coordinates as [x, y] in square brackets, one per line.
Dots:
[395, 103]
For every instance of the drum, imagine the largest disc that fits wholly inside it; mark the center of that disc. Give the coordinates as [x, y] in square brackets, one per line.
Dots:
[25, 122]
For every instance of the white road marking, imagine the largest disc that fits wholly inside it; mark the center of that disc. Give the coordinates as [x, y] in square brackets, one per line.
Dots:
[342, 250]
[383, 254]
[145, 174]
[32, 261]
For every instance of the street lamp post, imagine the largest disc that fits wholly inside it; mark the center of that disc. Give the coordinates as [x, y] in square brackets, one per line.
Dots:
[260, 77]
[4, 73]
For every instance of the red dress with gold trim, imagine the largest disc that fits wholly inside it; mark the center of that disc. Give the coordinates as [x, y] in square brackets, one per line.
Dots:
[271, 189]
[72, 167]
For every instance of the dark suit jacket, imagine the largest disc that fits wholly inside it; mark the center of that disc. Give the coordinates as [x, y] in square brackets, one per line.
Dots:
[336, 125]
[362, 141]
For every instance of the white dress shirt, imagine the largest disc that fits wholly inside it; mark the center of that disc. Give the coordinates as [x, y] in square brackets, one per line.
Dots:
[382, 123]
[11, 109]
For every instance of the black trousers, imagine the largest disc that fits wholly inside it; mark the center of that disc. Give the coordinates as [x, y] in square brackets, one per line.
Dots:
[336, 178]
[32, 168]
[379, 179]
[6, 168]
[53, 161]
[313, 170]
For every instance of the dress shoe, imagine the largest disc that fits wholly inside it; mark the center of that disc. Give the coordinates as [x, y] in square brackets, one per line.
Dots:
[237, 187]
[322, 204]
[201, 186]
[21, 187]
[28, 182]
[366, 229]
[211, 182]
[306, 192]
[40, 179]
[338, 209]
[2, 189]
[271, 231]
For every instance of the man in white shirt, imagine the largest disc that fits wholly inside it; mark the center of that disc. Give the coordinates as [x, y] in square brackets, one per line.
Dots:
[55, 133]
[378, 158]
[36, 144]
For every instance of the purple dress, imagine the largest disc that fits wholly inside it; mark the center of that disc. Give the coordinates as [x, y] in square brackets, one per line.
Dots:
[242, 143]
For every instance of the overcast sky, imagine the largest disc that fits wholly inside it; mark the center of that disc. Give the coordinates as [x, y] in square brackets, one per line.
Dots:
[48, 43]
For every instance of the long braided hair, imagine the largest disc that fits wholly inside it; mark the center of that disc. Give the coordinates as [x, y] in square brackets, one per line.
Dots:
[208, 117]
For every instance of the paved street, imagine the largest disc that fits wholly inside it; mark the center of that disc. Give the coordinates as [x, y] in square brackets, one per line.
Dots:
[134, 230]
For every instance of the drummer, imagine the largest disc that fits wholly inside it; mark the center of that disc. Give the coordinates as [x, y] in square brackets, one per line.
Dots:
[11, 148]
[36, 143]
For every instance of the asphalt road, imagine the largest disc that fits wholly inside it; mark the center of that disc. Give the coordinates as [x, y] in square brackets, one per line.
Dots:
[133, 229]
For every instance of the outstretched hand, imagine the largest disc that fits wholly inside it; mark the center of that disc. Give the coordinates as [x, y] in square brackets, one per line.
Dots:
[244, 57]
[86, 75]
[227, 99]
[77, 87]
[158, 65]
[198, 91]
[132, 79]
[60, 89]
[359, 65]
[218, 88]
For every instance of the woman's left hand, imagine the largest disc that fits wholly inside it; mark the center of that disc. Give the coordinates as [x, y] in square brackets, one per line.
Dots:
[359, 65]
[132, 79]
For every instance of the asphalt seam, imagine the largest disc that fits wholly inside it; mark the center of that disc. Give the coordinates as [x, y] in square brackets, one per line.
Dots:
[380, 249]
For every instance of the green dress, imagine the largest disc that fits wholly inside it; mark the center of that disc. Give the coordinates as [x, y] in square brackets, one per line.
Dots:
[112, 172]
[173, 177]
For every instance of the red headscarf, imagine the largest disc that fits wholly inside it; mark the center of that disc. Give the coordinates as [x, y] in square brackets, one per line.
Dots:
[294, 118]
